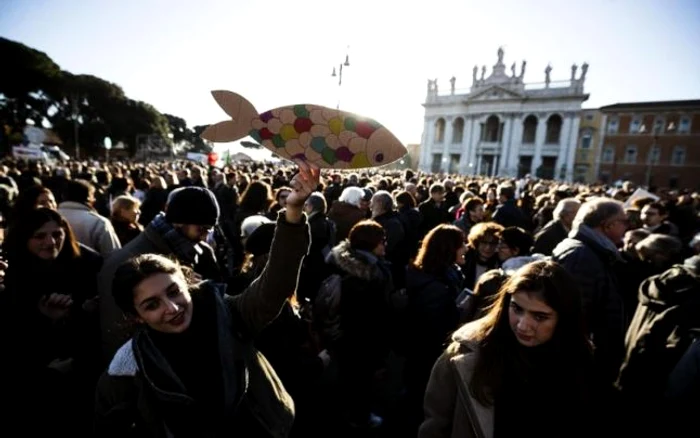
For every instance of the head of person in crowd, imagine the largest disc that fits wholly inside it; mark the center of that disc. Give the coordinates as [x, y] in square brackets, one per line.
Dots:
[193, 211]
[539, 306]
[368, 192]
[631, 239]
[126, 209]
[654, 214]
[352, 196]
[42, 235]
[250, 224]
[368, 236]
[281, 196]
[515, 242]
[411, 188]
[381, 203]
[604, 216]
[79, 191]
[695, 244]
[405, 200]
[484, 238]
[659, 250]
[315, 204]
[474, 208]
[437, 193]
[257, 197]
[506, 192]
[442, 248]
[486, 290]
[566, 210]
[32, 198]
[155, 291]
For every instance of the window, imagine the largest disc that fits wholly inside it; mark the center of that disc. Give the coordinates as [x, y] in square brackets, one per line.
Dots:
[457, 130]
[440, 130]
[589, 117]
[491, 130]
[529, 129]
[553, 129]
[437, 162]
[678, 156]
[631, 154]
[658, 125]
[613, 124]
[684, 125]
[635, 124]
[654, 155]
[586, 141]
[454, 163]
[608, 154]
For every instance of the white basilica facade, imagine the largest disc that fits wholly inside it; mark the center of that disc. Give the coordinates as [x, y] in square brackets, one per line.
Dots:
[502, 126]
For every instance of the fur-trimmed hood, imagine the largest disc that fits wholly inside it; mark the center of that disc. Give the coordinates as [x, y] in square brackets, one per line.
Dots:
[361, 264]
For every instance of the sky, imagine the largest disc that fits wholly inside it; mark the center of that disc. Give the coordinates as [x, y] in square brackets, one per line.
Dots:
[281, 52]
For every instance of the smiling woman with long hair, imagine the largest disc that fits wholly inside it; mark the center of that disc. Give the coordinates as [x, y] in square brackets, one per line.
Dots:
[526, 368]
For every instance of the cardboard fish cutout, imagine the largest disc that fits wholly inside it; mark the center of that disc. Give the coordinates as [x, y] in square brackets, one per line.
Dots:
[326, 137]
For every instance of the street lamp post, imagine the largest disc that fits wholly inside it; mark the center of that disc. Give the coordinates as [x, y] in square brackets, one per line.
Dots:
[339, 75]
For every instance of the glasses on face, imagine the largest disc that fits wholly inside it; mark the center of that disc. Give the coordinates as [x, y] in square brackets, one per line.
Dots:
[490, 243]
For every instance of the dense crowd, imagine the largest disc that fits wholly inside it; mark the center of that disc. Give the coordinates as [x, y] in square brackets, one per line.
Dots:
[167, 299]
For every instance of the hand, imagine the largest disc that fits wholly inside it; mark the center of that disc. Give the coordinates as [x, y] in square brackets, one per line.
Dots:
[325, 358]
[303, 184]
[3, 269]
[55, 306]
[91, 305]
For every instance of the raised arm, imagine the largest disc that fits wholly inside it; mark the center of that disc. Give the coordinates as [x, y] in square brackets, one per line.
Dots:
[262, 301]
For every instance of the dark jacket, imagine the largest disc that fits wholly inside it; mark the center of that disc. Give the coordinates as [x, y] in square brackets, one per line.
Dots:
[549, 237]
[590, 257]
[252, 395]
[509, 214]
[433, 215]
[345, 217]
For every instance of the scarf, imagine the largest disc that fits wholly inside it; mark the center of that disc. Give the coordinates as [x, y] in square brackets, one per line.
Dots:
[185, 250]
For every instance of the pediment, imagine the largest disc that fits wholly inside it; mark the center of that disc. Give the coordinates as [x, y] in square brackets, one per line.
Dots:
[494, 92]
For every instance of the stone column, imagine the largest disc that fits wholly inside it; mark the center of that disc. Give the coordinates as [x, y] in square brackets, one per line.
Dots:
[563, 155]
[516, 144]
[539, 142]
[474, 145]
[573, 141]
[446, 144]
[506, 145]
[465, 147]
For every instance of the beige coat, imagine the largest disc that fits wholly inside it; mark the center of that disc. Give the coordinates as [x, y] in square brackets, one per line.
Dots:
[90, 228]
[450, 409]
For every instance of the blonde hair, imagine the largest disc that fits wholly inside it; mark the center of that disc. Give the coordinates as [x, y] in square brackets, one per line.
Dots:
[122, 203]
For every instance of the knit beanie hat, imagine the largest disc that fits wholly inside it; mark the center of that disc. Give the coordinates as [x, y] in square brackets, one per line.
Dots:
[193, 206]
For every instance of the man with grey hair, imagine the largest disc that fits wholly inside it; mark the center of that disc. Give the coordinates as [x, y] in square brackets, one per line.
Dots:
[589, 254]
[382, 206]
[558, 228]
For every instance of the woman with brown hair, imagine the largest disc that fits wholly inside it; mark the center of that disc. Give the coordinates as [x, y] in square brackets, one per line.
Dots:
[433, 283]
[482, 254]
[526, 368]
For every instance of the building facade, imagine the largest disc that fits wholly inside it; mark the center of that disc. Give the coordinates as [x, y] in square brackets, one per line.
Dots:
[502, 126]
[652, 143]
[589, 144]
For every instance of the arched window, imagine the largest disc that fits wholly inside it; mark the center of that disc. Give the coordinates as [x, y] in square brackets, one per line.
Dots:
[529, 129]
[553, 129]
[491, 130]
[608, 154]
[440, 130]
[457, 130]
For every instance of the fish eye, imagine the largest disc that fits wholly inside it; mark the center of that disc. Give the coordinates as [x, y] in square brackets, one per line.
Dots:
[379, 157]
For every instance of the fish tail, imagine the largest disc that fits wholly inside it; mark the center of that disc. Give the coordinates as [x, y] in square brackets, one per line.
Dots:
[242, 113]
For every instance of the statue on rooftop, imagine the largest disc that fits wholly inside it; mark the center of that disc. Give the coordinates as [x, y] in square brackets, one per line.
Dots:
[500, 55]
[483, 72]
[573, 72]
[547, 73]
[452, 84]
[584, 70]
[474, 73]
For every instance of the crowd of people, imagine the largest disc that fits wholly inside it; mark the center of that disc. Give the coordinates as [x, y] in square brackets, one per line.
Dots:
[173, 300]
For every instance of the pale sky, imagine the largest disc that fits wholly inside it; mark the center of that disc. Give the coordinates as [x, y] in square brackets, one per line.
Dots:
[282, 52]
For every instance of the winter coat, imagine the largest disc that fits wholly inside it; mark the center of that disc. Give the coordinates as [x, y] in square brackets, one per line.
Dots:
[239, 320]
[590, 257]
[549, 237]
[91, 229]
[345, 217]
[140, 394]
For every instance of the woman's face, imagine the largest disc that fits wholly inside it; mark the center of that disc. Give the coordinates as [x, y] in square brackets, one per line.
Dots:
[46, 200]
[131, 214]
[486, 247]
[163, 302]
[505, 252]
[477, 215]
[533, 322]
[282, 198]
[47, 241]
[461, 251]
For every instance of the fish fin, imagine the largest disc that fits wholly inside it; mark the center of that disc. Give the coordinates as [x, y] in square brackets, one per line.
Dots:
[235, 105]
[224, 131]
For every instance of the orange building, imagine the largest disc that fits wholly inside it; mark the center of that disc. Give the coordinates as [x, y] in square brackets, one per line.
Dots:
[652, 144]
